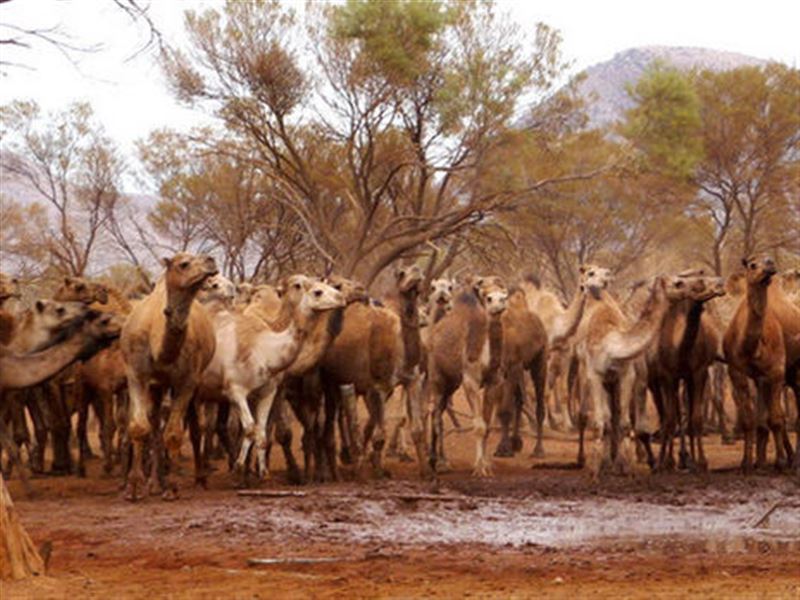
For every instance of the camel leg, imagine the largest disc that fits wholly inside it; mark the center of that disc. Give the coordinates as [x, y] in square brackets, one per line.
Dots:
[745, 414]
[796, 389]
[505, 413]
[283, 435]
[437, 428]
[265, 399]
[173, 431]
[492, 396]
[238, 395]
[140, 407]
[539, 376]
[626, 389]
[375, 430]
[414, 416]
[198, 451]
[599, 423]
[696, 387]
[583, 421]
[773, 395]
[8, 444]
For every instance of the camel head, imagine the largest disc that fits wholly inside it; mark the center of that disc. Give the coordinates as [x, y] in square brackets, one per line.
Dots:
[353, 291]
[188, 272]
[311, 293]
[441, 293]
[759, 269]
[9, 288]
[694, 287]
[735, 284]
[265, 296]
[594, 279]
[78, 289]
[218, 288]
[493, 298]
[408, 278]
[55, 317]
[100, 329]
[244, 292]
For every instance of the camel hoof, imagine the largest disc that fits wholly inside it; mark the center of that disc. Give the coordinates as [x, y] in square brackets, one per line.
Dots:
[538, 452]
[346, 456]
[727, 439]
[169, 495]
[504, 449]
[516, 443]
[201, 481]
[482, 471]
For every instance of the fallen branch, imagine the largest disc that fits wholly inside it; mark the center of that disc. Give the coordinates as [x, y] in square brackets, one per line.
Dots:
[776, 506]
[316, 560]
[272, 493]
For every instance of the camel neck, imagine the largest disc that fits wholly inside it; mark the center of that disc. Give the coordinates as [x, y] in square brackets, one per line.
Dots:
[177, 311]
[756, 313]
[321, 332]
[409, 325]
[30, 369]
[287, 315]
[495, 344]
[694, 313]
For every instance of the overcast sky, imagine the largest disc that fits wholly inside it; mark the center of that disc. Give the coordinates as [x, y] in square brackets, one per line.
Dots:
[130, 97]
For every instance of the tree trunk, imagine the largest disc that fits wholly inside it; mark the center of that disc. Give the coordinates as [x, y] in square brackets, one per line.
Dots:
[18, 556]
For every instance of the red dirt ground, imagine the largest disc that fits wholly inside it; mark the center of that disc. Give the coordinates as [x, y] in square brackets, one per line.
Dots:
[546, 531]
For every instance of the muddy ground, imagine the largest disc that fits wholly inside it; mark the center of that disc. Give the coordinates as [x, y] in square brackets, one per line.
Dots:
[538, 528]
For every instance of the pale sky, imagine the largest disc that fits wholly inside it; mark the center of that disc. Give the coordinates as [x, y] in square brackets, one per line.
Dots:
[131, 99]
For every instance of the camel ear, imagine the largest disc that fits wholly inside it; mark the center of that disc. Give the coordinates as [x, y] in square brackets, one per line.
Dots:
[744, 262]
[40, 306]
[67, 280]
[167, 262]
[582, 269]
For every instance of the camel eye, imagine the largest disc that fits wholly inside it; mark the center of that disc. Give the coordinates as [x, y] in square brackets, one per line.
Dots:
[679, 284]
[297, 286]
[591, 273]
[317, 293]
[753, 266]
[60, 311]
[81, 288]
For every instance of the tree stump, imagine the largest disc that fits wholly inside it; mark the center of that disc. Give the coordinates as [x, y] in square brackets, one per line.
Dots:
[18, 556]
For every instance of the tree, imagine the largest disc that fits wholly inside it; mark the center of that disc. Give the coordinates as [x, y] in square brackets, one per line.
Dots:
[734, 138]
[75, 169]
[376, 145]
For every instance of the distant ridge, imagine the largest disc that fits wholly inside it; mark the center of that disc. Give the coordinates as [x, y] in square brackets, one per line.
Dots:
[605, 83]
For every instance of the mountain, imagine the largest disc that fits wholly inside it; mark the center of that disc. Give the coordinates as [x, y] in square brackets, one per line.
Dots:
[605, 85]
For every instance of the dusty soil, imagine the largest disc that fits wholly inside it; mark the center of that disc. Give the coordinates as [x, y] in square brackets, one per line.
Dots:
[537, 528]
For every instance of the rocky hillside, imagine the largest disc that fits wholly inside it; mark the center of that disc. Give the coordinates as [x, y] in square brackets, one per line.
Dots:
[605, 83]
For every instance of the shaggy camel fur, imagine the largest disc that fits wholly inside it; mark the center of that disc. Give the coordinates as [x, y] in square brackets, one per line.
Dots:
[608, 375]
[167, 340]
[252, 353]
[466, 348]
[684, 349]
[762, 345]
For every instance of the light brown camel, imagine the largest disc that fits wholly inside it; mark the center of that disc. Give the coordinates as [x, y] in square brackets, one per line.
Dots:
[762, 345]
[608, 375]
[377, 350]
[466, 348]
[684, 349]
[252, 354]
[168, 340]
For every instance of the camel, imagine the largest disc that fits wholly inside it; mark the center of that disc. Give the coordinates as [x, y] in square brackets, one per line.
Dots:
[606, 355]
[466, 347]
[18, 556]
[302, 387]
[9, 289]
[560, 324]
[252, 353]
[684, 349]
[377, 350]
[100, 379]
[761, 344]
[168, 340]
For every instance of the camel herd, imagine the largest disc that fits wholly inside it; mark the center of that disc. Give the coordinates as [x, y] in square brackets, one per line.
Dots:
[232, 363]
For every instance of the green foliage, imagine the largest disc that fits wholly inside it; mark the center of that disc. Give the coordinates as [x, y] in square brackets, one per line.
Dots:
[396, 36]
[665, 124]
